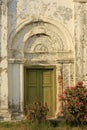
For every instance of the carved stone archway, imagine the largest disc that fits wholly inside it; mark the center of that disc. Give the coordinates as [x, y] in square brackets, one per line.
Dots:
[40, 43]
[56, 33]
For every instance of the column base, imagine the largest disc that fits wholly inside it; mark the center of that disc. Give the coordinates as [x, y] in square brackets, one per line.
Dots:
[17, 116]
[5, 116]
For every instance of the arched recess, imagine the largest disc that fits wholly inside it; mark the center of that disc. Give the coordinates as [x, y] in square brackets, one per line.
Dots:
[46, 35]
[41, 42]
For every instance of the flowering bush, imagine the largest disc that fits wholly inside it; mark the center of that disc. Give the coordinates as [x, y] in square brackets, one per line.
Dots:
[75, 104]
[37, 112]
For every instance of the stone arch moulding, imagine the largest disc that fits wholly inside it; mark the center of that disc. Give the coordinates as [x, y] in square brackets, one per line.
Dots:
[46, 28]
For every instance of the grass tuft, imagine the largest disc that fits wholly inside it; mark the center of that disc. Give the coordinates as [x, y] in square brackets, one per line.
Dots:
[46, 125]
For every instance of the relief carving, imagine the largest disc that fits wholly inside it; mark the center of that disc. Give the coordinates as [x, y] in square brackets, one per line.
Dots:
[81, 39]
[40, 48]
[44, 44]
[66, 75]
[64, 13]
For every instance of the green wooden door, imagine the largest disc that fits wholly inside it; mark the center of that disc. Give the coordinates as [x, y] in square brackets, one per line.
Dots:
[48, 90]
[39, 85]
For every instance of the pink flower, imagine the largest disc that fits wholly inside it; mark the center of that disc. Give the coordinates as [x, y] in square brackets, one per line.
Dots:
[79, 103]
[85, 117]
[65, 92]
[85, 93]
[76, 98]
[80, 83]
[73, 88]
[67, 105]
[67, 87]
[73, 98]
[64, 98]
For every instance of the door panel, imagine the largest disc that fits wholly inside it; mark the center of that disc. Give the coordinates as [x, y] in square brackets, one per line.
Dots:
[48, 86]
[32, 85]
[39, 85]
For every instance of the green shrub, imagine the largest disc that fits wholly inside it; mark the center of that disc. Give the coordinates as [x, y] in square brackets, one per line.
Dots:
[75, 104]
[37, 112]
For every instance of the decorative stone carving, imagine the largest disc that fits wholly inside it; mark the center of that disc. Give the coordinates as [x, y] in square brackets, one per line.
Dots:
[72, 74]
[40, 48]
[40, 42]
[44, 44]
[65, 13]
[81, 40]
[49, 38]
[66, 75]
[62, 12]
[59, 88]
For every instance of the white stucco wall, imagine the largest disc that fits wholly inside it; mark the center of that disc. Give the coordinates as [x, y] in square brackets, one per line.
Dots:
[24, 24]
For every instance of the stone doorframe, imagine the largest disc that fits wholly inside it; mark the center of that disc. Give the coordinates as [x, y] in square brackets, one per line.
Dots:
[62, 69]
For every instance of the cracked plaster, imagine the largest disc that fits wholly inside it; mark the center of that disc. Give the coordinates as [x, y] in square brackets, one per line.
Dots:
[25, 35]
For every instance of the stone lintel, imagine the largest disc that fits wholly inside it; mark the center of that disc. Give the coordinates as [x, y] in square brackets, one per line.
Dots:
[18, 61]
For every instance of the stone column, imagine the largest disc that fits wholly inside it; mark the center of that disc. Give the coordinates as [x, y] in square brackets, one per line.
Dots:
[4, 114]
[0, 44]
[59, 83]
[80, 7]
[16, 88]
[21, 88]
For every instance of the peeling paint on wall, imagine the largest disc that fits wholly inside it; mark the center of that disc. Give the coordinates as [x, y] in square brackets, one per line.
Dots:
[42, 33]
